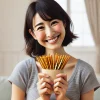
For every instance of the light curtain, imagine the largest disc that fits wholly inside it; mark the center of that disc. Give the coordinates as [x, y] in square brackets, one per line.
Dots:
[93, 13]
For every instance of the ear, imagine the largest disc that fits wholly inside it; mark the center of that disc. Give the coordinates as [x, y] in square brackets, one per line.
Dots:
[33, 35]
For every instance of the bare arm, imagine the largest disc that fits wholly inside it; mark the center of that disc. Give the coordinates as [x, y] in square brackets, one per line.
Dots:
[17, 93]
[88, 96]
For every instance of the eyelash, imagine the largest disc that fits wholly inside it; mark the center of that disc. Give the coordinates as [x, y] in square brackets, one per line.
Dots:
[54, 22]
[40, 28]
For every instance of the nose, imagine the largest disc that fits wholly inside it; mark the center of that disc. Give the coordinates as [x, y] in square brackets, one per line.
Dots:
[49, 31]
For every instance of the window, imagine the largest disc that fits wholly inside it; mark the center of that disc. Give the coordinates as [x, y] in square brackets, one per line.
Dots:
[76, 10]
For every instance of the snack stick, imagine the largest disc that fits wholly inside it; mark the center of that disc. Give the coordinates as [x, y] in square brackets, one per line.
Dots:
[65, 62]
[48, 62]
[61, 62]
[39, 60]
[51, 62]
[47, 59]
[57, 62]
[43, 62]
[55, 59]
[56, 55]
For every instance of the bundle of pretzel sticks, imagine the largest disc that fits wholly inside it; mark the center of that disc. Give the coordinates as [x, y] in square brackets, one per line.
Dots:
[54, 62]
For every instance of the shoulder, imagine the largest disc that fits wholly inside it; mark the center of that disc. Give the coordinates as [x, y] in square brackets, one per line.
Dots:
[84, 66]
[21, 73]
[86, 71]
[24, 68]
[25, 64]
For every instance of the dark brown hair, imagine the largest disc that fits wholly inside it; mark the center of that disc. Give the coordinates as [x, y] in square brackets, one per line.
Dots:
[45, 8]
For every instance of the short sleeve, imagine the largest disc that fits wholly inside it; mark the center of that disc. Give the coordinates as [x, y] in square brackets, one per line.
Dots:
[19, 76]
[89, 80]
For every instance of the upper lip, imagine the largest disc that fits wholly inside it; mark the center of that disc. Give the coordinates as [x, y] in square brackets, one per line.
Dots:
[52, 37]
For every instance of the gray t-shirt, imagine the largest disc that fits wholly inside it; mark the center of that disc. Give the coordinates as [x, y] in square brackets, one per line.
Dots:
[82, 80]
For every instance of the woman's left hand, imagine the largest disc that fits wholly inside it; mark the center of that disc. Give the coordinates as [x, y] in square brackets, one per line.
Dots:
[60, 86]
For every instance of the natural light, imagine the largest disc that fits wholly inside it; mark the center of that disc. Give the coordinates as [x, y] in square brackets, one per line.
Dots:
[79, 18]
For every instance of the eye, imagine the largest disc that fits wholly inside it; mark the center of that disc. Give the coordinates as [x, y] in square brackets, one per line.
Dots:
[54, 22]
[40, 28]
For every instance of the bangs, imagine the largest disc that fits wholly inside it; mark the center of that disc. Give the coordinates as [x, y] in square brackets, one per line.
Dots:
[46, 12]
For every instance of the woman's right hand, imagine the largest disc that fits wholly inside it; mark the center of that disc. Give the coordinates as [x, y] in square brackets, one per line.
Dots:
[44, 86]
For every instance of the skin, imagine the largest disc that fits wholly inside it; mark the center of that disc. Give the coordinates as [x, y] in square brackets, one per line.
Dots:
[43, 31]
[47, 30]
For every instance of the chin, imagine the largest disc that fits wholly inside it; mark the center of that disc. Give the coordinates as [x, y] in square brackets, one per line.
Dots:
[54, 47]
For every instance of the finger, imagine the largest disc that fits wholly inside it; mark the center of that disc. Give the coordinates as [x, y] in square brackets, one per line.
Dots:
[59, 84]
[41, 75]
[57, 90]
[47, 80]
[46, 85]
[45, 91]
[60, 79]
[64, 76]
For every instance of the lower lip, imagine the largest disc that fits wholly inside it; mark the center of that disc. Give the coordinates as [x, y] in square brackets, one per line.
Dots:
[54, 40]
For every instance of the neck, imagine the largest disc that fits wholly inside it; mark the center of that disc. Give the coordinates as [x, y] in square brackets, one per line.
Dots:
[58, 50]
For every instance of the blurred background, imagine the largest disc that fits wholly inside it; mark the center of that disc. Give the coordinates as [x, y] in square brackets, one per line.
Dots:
[84, 14]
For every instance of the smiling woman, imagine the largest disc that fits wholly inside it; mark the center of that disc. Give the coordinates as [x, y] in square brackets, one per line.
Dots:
[46, 14]
[46, 32]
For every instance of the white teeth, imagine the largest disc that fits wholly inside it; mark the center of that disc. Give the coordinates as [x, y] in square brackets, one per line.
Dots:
[53, 40]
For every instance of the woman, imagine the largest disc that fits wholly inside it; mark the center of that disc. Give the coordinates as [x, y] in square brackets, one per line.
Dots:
[47, 31]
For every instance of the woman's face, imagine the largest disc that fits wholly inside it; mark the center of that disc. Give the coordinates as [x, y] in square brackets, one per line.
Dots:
[49, 34]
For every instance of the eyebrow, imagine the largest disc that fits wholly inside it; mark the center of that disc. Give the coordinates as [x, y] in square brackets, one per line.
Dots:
[38, 24]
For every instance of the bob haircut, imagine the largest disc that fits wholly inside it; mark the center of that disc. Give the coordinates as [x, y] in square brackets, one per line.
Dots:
[48, 10]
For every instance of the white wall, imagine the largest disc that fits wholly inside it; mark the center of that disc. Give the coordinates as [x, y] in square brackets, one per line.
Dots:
[12, 15]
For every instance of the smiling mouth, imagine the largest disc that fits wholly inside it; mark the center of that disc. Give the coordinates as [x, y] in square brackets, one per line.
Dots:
[53, 40]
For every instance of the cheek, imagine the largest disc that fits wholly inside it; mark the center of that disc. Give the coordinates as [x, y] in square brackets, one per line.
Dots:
[40, 35]
[58, 28]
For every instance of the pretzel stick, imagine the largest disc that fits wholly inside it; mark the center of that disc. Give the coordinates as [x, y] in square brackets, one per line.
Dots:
[61, 62]
[48, 62]
[38, 59]
[57, 62]
[51, 60]
[65, 61]
[43, 62]
[50, 57]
